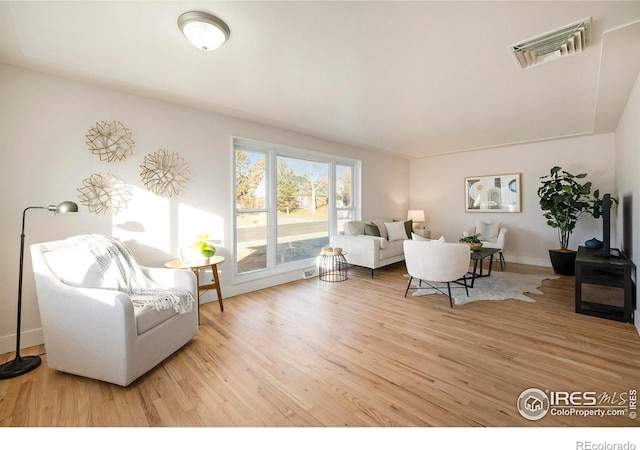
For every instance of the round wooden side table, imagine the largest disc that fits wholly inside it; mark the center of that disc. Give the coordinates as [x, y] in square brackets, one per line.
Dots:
[196, 266]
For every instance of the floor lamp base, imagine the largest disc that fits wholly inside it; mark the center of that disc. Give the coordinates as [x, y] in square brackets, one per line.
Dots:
[20, 365]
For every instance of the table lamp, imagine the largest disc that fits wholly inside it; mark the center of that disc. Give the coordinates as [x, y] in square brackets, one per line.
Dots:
[417, 215]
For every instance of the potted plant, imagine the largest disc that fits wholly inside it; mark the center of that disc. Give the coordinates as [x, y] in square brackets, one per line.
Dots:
[563, 199]
[473, 241]
[202, 246]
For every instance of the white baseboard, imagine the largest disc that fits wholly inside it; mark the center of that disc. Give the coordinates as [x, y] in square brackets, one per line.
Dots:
[263, 283]
[28, 339]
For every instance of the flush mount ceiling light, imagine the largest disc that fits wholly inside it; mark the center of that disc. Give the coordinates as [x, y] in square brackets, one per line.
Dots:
[564, 41]
[204, 31]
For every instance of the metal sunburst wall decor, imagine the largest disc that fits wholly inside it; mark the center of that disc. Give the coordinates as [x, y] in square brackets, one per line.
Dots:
[110, 140]
[165, 173]
[104, 193]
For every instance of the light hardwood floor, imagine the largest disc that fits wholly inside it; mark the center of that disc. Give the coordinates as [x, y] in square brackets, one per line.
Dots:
[354, 353]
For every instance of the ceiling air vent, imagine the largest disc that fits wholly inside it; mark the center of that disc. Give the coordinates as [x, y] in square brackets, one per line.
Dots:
[565, 41]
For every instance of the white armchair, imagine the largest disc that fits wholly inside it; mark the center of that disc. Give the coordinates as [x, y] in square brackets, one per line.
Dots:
[99, 333]
[492, 235]
[437, 262]
[499, 244]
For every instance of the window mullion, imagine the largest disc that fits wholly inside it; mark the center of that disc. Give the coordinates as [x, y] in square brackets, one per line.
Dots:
[272, 206]
[332, 192]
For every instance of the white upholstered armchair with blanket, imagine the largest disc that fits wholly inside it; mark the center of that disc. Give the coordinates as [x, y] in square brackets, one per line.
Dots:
[104, 316]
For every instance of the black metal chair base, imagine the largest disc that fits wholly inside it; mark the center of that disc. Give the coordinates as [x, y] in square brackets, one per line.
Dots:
[437, 288]
[501, 260]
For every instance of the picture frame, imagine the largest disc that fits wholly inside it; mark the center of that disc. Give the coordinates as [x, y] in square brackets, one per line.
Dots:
[493, 193]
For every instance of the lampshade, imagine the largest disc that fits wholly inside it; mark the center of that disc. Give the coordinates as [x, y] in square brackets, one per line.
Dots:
[64, 208]
[204, 31]
[417, 215]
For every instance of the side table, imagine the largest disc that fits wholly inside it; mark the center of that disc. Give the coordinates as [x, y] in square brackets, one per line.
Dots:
[196, 266]
[332, 268]
[478, 256]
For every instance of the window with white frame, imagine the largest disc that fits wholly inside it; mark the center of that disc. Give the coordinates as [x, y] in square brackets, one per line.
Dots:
[288, 202]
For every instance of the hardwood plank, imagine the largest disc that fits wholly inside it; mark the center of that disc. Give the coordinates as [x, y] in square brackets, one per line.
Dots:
[354, 353]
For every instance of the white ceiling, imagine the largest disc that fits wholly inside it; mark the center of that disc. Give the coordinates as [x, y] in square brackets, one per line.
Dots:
[414, 78]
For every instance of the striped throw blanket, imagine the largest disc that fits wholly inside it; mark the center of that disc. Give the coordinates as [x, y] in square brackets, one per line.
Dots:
[122, 273]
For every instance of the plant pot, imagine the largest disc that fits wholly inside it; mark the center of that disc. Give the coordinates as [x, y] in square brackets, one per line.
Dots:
[473, 245]
[563, 261]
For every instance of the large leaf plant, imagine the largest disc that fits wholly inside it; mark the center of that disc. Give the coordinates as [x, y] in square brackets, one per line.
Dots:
[564, 198]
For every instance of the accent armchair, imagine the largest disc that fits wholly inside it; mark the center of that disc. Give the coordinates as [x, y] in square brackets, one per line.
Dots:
[437, 262]
[99, 333]
[492, 235]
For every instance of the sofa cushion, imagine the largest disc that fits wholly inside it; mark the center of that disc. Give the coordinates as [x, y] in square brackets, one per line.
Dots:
[371, 229]
[393, 248]
[382, 242]
[408, 228]
[354, 228]
[380, 224]
[396, 231]
[147, 319]
[488, 230]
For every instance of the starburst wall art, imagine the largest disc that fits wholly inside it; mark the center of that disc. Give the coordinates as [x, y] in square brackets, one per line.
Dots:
[165, 173]
[104, 193]
[111, 141]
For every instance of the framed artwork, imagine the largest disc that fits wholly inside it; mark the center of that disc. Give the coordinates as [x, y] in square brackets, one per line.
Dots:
[492, 193]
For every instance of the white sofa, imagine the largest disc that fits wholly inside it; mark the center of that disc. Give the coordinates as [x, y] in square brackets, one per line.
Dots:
[369, 251]
[98, 333]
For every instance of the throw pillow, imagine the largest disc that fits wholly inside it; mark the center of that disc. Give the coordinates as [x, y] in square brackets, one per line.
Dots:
[417, 237]
[488, 230]
[371, 229]
[380, 224]
[356, 228]
[408, 228]
[396, 231]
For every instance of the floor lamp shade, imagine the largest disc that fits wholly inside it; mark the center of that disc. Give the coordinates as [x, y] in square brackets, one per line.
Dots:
[23, 364]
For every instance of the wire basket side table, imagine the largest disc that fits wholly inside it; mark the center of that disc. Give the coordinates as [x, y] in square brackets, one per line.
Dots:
[332, 267]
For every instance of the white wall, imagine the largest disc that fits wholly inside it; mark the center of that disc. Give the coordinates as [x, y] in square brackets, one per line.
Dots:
[628, 182]
[44, 158]
[437, 186]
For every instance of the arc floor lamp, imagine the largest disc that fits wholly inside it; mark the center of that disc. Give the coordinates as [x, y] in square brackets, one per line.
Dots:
[23, 364]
